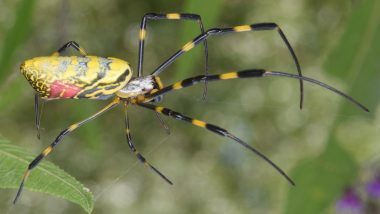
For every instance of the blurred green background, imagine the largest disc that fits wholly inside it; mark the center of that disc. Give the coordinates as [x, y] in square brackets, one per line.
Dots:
[326, 146]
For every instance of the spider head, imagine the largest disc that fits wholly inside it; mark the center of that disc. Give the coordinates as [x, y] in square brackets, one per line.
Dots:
[140, 86]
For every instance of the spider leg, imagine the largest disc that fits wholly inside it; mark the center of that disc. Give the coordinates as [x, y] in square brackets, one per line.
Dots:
[215, 129]
[134, 150]
[72, 44]
[142, 36]
[168, 16]
[237, 29]
[57, 140]
[38, 107]
[252, 73]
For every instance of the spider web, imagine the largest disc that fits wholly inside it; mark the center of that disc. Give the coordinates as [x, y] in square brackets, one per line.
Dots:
[124, 173]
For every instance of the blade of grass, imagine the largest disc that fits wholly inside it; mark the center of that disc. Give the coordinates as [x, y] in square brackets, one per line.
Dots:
[356, 59]
[16, 35]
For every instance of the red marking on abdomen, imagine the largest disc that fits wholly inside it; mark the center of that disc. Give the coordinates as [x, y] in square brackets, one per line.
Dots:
[63, 90]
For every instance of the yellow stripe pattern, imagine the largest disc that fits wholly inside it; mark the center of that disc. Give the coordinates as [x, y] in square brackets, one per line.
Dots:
[47, 151]
[177, 85]
[242, 28]
[159, 82]
[198, 123]
[226, 76]
[159, 109]
[142, 34]
[188, 46]
[72, 127]
[173, 16]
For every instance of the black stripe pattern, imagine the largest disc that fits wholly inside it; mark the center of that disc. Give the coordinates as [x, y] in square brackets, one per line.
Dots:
[57, 140]
[201, 78]
[237, 29]
[215, 129]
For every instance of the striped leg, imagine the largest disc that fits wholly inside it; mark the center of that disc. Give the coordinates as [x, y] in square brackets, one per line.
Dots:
[57, 140]
[215, 129]
[134, 150]
[142, 36]
[168, 16]
[72, 44]
[247, 74]
[243, 28]
[38, 106]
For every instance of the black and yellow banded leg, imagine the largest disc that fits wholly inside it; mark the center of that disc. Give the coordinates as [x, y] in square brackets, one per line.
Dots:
[134, 150]
[72, 44]
[167, 16]
[38, 107]
[215, 129]
[143, 34]
[57, 140]
[252, 73]
[237, 29]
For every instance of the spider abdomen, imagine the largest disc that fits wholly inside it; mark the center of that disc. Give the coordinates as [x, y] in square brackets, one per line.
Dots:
[76, 77]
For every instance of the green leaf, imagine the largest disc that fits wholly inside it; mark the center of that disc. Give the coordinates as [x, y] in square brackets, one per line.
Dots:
[16, 35]
[355, 61]
[320, 180]
[46, 178]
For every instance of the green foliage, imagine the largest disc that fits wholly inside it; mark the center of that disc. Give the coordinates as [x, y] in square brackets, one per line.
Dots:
[46, 178]
[322, 179]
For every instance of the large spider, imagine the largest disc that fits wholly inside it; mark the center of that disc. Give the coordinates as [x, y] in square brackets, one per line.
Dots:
[94, 77]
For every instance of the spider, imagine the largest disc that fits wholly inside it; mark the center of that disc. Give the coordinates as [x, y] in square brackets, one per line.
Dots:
[100, 78]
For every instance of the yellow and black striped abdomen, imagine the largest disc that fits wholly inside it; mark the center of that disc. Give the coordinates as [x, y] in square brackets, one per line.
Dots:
[77, 77]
